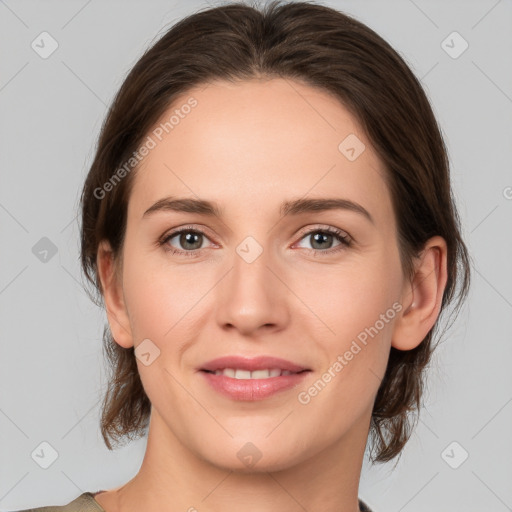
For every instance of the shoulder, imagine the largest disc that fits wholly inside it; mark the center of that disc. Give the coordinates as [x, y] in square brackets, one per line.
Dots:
[83, 503]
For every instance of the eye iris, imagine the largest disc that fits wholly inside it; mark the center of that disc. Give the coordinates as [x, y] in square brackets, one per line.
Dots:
[320, 236]
[189, 237]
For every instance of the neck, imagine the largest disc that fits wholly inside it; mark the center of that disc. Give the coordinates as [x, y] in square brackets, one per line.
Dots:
[173, 478]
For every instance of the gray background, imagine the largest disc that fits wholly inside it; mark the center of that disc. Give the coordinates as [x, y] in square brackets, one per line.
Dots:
[51, 365]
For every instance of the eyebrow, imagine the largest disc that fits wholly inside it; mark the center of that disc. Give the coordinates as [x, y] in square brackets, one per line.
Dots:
[295, 207]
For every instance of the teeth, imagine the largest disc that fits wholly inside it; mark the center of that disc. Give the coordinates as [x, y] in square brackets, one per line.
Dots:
[256, 374]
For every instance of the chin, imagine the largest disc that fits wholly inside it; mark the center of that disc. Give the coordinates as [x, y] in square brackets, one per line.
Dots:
[248, 457]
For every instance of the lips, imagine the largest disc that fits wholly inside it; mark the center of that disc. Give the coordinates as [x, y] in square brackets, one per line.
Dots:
[252, 378]
[252, 364]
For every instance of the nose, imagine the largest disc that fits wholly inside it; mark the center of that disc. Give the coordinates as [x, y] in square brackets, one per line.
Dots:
[253, 296]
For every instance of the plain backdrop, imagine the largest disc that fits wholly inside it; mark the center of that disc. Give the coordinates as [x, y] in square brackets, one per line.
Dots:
[51, 367]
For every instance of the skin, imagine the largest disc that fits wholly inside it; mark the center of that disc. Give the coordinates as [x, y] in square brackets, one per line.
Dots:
[249, 146]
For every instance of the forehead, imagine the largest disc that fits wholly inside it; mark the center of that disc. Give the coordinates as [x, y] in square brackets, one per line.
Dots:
[255, 143]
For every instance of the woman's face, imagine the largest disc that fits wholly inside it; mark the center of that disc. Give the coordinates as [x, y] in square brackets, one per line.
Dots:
[263, 277]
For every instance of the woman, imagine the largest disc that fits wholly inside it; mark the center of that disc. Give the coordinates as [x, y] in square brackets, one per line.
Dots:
[260, 361]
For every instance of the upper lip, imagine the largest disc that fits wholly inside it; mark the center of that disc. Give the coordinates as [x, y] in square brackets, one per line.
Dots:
[251, 364]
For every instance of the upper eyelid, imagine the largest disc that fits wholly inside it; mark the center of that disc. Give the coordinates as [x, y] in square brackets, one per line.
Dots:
[324, 227]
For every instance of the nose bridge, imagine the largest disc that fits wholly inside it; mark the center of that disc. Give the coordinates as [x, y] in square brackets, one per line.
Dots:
[251, 295]
[251, 279]
[250, 264]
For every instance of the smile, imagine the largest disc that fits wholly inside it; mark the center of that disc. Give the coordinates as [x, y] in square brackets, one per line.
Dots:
[256, 374]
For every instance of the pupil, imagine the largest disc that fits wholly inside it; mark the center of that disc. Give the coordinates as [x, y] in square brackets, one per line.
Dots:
[189, 238]
[320, 236]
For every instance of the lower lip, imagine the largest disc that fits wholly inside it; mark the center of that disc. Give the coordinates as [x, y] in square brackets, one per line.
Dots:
[253, 389]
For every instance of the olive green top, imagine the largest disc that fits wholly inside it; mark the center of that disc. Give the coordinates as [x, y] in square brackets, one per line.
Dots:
[86, 503]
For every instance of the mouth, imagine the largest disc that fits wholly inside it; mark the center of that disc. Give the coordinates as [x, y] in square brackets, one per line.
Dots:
[250, 379]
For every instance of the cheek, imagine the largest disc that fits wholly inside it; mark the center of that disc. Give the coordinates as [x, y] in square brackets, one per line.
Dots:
[355, 306]
[346, 298]
[158, 295]
[159, 299]
[358, 307]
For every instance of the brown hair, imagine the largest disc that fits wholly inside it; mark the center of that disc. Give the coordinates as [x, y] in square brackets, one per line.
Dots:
[324, 48]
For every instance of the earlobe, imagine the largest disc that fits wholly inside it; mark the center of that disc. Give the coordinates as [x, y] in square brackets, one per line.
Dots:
[117, 313]
[422, 296]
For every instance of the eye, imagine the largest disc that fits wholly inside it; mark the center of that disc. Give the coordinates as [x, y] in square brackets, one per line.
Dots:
[190, 239]
[321, 240]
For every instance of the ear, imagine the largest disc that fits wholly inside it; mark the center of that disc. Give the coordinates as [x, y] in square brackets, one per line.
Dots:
[117, 313]
[422, 296]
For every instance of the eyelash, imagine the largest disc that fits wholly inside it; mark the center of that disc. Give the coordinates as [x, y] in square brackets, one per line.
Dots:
[345, 241]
